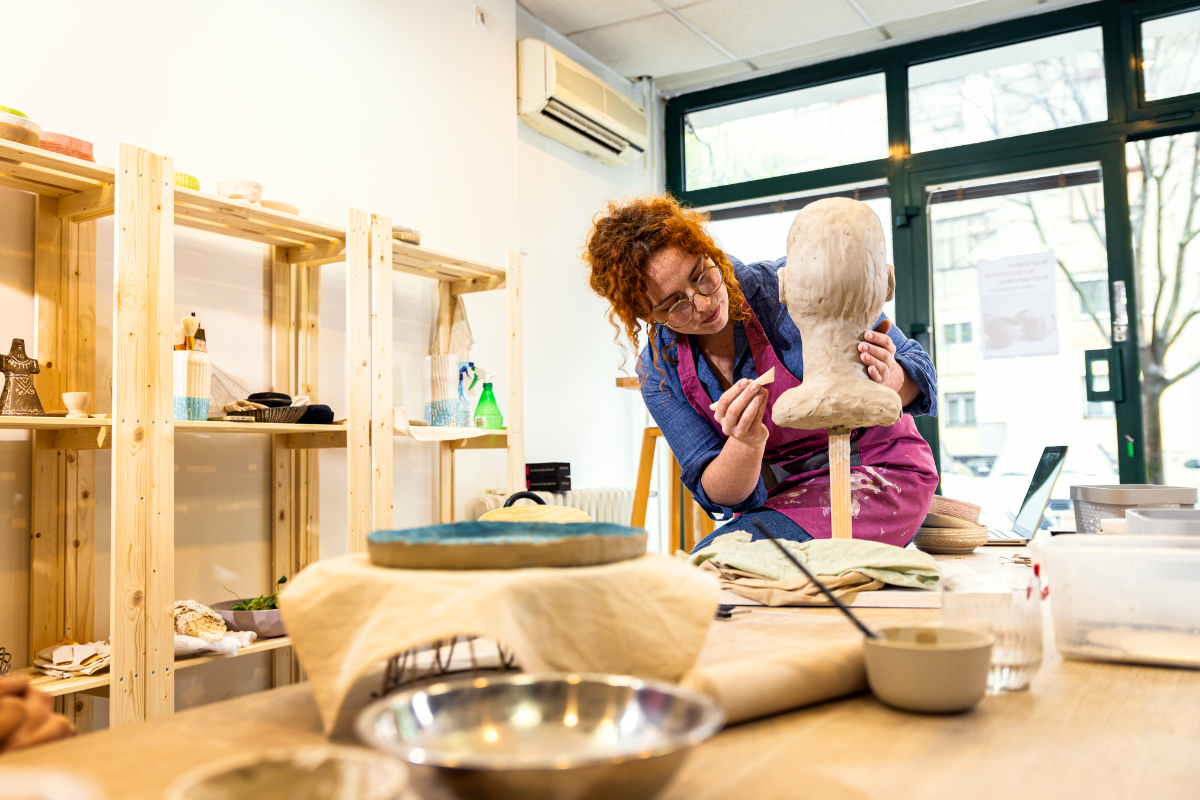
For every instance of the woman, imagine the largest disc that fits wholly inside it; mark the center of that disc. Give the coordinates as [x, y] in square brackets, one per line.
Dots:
[714, 324]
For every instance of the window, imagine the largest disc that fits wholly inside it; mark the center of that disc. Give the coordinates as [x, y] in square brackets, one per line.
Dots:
[960, 409]
[956, 239]
[822, 126]
[1171, 55]
[958, 333]
[1048, 83]
[1102, 410]
[1091, 299]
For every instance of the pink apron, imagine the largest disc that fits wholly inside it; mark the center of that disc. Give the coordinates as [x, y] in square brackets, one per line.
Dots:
[892, 473]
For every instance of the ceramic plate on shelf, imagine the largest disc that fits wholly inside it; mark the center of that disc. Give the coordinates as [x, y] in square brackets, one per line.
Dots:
[506, 545]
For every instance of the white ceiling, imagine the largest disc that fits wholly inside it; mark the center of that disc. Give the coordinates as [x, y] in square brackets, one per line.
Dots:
[689, 43]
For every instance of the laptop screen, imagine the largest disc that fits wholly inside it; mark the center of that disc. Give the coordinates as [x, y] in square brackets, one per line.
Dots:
[1029, 518]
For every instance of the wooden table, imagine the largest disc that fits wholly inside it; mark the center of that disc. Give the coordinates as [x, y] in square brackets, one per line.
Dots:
[1084, 730]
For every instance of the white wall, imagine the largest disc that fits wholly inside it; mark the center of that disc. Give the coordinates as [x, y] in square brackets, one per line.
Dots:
[402, 108]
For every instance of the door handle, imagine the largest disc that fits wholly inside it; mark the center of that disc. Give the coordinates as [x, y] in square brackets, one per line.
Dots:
[1104, 376]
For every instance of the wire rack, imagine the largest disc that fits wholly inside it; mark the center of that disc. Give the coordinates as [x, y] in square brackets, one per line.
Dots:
[443, 658]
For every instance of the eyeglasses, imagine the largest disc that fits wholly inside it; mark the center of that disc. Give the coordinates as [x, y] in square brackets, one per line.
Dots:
[681, 313]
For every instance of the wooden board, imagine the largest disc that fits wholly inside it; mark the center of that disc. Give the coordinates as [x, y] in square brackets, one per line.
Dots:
[839, 486]
[258, 646]
[515, 412]
[143, 507]
[358, 358]
[381, 373]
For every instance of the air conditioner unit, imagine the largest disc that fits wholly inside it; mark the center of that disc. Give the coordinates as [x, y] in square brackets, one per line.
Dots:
[560, 99]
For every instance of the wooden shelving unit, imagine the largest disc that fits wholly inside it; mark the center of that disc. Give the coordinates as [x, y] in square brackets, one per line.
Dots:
[140, 433]
[454, 276]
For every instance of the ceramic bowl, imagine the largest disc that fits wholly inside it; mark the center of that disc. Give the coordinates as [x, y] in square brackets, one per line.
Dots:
[240, 189]
[76, 403]
[951, 541]
[930, 670]
[267, 624]
[20, 130]
[554, 736]
[317, 772]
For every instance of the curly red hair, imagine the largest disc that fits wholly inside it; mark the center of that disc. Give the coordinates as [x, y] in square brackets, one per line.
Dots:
[621, 242]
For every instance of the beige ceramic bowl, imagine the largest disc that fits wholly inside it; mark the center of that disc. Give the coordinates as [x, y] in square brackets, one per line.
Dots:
[951, 541]
[931, 670]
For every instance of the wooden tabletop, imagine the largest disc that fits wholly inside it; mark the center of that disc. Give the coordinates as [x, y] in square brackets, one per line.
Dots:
[1084, 730]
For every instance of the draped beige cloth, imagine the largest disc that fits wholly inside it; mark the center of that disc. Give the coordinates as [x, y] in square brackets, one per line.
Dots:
[645, 617]
[798, 591]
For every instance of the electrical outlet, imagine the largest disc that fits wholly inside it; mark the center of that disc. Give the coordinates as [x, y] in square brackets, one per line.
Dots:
[479, 16]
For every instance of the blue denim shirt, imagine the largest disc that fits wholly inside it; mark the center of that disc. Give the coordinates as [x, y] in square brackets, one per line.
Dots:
[693, 440]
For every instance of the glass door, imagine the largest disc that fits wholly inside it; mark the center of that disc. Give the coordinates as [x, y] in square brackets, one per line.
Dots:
[1020, 278]
[1164, 190]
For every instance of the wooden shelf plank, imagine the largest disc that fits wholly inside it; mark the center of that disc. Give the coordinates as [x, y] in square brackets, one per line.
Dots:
[440, 266]
[59, 686]
[51, 423]
[232, 212]
[54, 172]
[260, 646]
[203, 426]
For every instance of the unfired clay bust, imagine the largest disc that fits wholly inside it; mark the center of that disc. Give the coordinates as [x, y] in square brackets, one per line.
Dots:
[834, 286]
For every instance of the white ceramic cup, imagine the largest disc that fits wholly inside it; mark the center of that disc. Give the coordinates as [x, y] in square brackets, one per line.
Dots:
[76, 403]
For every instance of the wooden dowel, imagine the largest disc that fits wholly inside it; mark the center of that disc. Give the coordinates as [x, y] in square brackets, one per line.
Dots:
[839, 485]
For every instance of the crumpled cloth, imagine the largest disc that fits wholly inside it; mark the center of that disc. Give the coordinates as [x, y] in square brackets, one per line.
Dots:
[645, 617]
[757, 687]
[228, 644]
[888, 564]
[69, 659]
[199, 621]
[797, 591]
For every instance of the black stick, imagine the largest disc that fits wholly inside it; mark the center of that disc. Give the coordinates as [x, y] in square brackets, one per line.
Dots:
[842, 606]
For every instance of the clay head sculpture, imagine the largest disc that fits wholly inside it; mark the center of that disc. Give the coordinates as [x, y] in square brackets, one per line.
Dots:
[834, 286]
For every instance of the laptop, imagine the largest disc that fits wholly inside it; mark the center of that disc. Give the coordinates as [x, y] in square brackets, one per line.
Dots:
[1029, 518]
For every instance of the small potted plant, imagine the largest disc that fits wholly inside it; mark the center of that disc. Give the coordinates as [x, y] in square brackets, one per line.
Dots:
[260, 614]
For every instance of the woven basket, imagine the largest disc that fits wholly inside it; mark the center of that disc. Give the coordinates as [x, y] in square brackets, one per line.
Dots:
[285, 414]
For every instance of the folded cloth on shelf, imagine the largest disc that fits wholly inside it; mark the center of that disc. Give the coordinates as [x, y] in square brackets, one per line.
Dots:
[895, 566]
[227, 645]
[193, 619]
[797, 591]
[782, 681]
[645, 617]
[69, 659]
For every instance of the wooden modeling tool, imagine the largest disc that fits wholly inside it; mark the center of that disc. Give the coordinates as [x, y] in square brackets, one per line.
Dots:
[761, 380]
[834, 286]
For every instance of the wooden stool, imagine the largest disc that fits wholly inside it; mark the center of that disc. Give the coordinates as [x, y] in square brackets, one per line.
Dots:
[686, 515]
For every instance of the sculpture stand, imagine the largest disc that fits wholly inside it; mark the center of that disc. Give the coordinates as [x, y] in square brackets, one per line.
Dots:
[839, 485]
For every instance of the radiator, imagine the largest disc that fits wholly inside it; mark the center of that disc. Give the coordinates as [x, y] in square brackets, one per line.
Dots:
[602, 505]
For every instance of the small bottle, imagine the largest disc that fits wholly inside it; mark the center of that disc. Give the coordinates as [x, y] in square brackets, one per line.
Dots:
[487, 413]
[201, 342]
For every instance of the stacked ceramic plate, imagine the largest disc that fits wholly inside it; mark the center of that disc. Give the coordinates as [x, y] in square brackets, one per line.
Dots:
[951, 528]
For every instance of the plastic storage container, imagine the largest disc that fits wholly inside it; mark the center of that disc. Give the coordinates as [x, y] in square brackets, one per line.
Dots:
[1094, 503]
[1124, 598]
[1163, 522]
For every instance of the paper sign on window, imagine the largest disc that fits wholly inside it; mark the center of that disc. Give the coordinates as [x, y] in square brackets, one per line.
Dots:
[1018, 306]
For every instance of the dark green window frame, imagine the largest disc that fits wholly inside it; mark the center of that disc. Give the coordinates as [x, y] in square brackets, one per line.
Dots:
[1130, 117]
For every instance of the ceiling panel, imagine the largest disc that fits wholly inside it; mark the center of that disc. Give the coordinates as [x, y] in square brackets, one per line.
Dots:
[961, 16]
[749, 27]
[572, 16]
[658, 45]
[816, 51]
[882, 12]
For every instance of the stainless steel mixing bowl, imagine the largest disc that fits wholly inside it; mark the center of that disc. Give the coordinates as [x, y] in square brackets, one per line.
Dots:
[554, 736]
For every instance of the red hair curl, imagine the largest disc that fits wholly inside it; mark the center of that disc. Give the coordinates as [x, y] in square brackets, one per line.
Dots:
[621, 242]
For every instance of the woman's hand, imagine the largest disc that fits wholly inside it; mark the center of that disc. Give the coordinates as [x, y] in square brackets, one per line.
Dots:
[878, 353]
[739, 412]
[27, 716]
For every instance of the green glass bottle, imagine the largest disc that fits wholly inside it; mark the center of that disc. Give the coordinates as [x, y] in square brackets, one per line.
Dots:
[487, 413]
